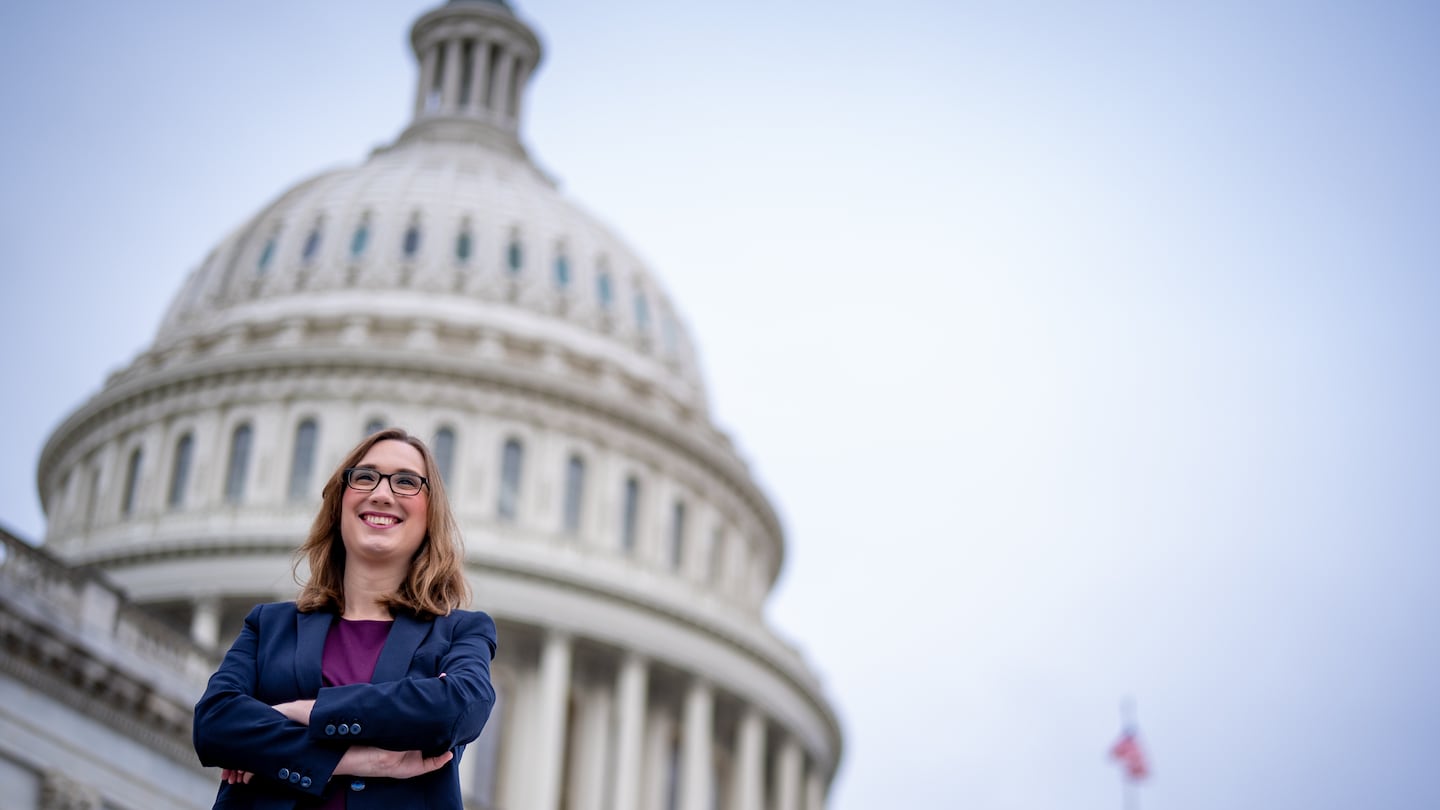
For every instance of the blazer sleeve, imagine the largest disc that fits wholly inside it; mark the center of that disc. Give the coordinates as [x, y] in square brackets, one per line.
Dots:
[431, 714]
[234, 729]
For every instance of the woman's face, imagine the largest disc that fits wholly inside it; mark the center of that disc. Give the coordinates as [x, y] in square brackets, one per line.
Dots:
[380, 526]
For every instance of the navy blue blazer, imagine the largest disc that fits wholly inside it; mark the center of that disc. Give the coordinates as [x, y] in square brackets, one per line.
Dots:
[406, 706]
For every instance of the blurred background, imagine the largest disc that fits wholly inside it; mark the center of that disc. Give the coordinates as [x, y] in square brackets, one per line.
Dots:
[1084, 351]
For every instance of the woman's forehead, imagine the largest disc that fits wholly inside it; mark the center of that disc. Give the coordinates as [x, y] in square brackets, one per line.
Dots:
[393, 454]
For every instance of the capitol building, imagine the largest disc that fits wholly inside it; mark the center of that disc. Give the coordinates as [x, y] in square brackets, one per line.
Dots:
[444, 285]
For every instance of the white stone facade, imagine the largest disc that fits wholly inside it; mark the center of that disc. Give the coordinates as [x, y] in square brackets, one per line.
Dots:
[445, 286]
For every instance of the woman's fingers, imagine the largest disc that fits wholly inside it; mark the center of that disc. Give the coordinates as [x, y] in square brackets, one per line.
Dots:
[234, 777]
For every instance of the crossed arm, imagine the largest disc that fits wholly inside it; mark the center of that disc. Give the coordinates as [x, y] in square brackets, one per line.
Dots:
[411, 725]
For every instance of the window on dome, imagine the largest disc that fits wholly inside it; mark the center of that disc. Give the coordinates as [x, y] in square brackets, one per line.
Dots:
[236, 471]
[677, 534]
[514, 254]
[266, 255]
[574, 493]
[603, 287]
[511, 458]
[374, 426]
[630, 518]
[562, 268]
[302, 459]
[668, 332]
[132, 483]
[642, 312]
[411, 245]
[180, 471]
[443, 449]
[464, 243]
[312, 244]
[360, 239]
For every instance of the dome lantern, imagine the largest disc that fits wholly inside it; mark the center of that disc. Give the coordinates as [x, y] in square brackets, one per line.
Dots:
[476, 58]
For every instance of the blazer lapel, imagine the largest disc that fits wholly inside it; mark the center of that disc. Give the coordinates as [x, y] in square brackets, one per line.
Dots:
[311, 630]
[405, 637]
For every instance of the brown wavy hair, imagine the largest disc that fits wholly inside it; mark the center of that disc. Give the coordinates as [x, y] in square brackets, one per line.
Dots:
[435, 584]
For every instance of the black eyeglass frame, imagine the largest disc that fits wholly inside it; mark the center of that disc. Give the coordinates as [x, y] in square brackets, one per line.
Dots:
[387, 477]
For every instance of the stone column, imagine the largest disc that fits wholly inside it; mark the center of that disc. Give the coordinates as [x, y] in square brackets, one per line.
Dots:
[787, 785]
[697, 771]
[205, 621]
[450, 78]
[748, 792]
[479, 64]
[814, 788]
[500, 102]
[549, 740]
[658, 769]
[589, 751]
[427, 78]
[630, 697]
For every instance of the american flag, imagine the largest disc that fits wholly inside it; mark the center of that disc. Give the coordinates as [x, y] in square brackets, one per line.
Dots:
[1127, 750]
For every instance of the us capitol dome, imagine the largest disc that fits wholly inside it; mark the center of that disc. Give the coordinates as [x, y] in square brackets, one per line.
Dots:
[445, 285]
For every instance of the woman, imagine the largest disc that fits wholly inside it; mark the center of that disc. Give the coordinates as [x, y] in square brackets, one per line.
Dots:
[363, 692]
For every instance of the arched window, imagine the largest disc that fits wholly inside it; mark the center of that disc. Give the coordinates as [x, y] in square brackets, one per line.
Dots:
[312, 244]
[510, 461]
[374, 426]
[180, 471]
[443, 448]
[603, 290]
[239, 466]
[514, 254]
[360, 239]
[411, 243]
[630, 517]
[302, 459]
[677, 534]
[266, 255]
[642, 312]
[562, 267]
[464, 243]
[574, 493]
[132, 482]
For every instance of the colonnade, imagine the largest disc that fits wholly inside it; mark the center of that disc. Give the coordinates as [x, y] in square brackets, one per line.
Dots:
[631, 734]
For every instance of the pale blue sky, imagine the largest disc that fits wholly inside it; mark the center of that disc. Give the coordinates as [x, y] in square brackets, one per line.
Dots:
[1086, 349]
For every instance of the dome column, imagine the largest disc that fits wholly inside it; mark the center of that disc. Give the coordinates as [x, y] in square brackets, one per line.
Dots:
[630, 697]
[787, 788]
[479, 64]
[549, 741]
[427, 78]
[748, 785]
[205, 621]
[504, 74]
[450, 78]
[814, 789]
[697, 772]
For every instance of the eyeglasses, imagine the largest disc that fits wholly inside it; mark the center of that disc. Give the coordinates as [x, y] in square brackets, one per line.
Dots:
[364, 479]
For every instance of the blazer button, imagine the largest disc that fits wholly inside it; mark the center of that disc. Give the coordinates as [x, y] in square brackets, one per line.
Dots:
[344, 729]
[354, 728]
[305, 782]
[358, 785]
[330, 729]
[283, 774]
[294, 778]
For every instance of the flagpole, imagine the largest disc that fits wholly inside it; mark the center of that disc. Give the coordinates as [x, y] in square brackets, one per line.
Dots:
[1129, 795]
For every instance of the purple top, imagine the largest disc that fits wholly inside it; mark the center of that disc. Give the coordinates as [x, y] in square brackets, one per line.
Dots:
[351, 649]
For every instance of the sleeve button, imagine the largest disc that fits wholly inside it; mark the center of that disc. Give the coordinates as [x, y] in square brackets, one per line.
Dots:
[305, 782]
[344, 729]
[354, 728]
[358, 785]
[330, 729]
[283, 774]
[294, 778]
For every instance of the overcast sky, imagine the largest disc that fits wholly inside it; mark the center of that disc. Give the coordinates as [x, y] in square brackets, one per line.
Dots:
[1086, 349]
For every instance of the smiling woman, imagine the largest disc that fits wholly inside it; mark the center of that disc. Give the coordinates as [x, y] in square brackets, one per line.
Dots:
[374, 672]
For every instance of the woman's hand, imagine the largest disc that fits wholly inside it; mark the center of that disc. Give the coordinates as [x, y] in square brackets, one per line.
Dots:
[234, 777]
[366, 760]
[297, 710]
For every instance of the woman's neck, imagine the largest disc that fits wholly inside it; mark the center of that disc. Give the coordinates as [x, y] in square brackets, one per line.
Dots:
[363, 592]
